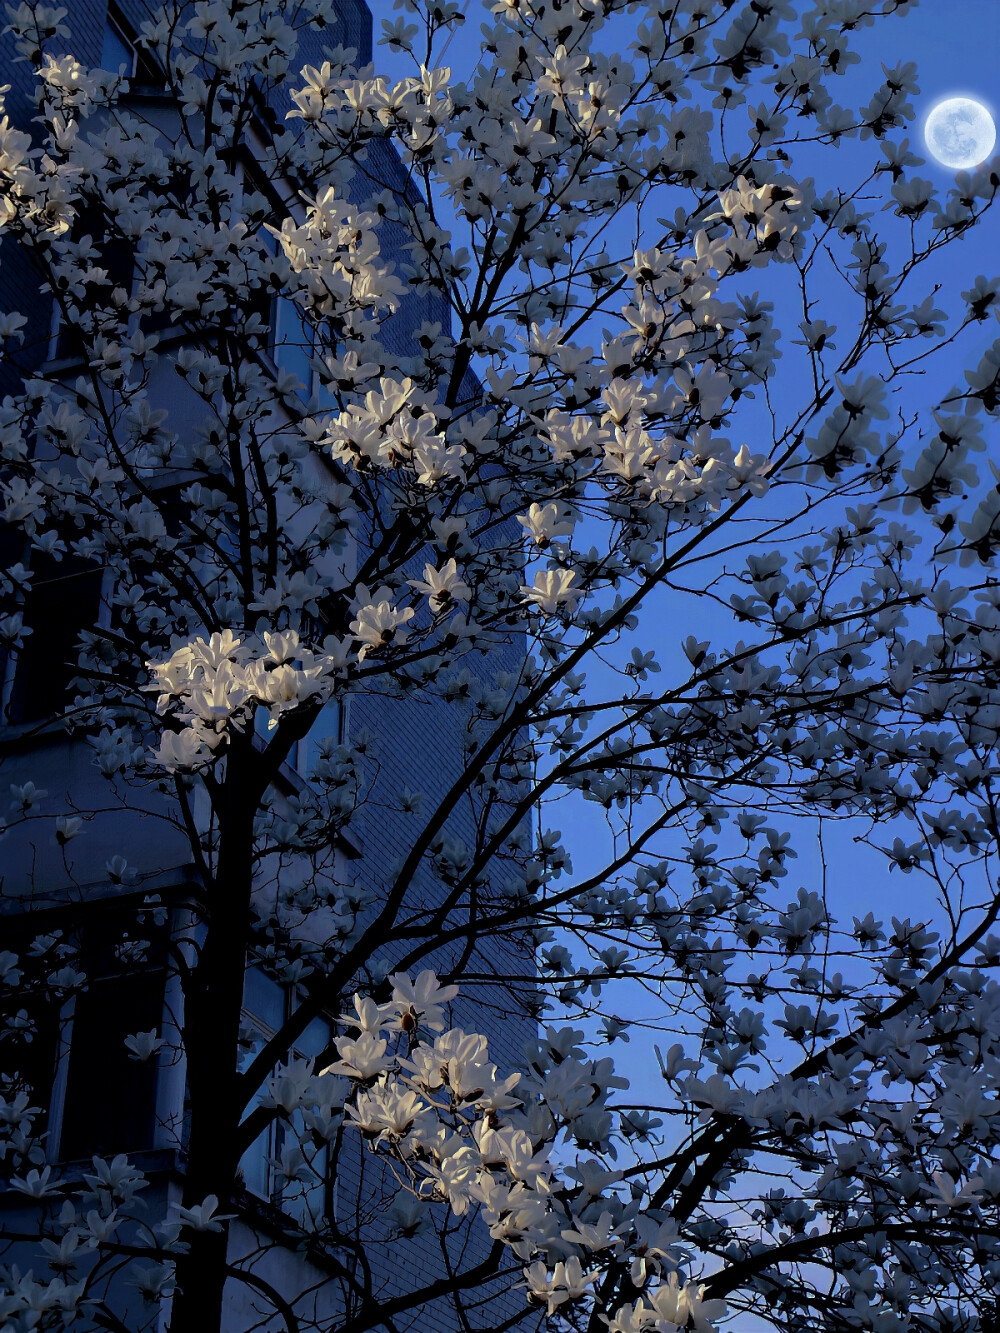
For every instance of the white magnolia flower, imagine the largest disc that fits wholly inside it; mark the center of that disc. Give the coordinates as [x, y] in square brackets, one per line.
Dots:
[388, 1112]
[182, 750]
[684, 1305]
[543, 523]
[141, 1045]
[377, 622]
[363, 1057]
[946, 1196]
[153, 1281]
[420, 1003]
[596, 1236]
[27, 795]
[453, 1178]
[409, 1213]
[203, 1216]
[436, 461]
[369, 1016]
[442, 587]
[36, 1184]
[566, 1282]
[552, 590]
[67, 828]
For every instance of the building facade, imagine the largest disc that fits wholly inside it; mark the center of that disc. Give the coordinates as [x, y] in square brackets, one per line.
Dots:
[98, 1100]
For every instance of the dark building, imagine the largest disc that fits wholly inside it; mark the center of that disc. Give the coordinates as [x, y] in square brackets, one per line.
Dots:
[96, 1099]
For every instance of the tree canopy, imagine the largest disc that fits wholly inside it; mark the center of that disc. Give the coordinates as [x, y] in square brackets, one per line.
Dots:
[468, 391]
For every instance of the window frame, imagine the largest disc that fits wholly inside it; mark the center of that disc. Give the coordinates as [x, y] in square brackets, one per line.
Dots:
[144, 73]
[56, 1096]
[114, 26]
[271, 1141]
[59, 331]
[281, 208]
[12, 664]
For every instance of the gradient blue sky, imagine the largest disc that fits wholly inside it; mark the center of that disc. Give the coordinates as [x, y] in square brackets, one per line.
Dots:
[956, 46]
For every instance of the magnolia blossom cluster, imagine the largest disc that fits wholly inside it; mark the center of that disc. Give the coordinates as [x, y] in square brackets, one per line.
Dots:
[672, 1305]
[464, 1136]
[393, 428]
[333, 258]
[210, 685]
[693, 475]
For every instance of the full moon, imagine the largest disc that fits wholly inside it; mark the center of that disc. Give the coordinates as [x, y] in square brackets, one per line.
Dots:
[960, 133]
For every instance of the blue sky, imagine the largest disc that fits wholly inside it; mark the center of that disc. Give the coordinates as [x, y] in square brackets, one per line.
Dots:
[955, 44]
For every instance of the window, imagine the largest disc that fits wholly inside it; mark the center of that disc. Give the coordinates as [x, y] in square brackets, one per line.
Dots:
[118, 55]
[121, 53]
[292, 340]
[109, 1104]
[291, 337]
[114, 257]
[329, 722]
[263, 1012]
[304, 754]
[31, 1015]
[266, 1005]
[64, 600]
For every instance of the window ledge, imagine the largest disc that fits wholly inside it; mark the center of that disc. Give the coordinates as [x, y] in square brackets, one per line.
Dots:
[272, 1219]
[349, 842]
[21, 735]
[150, 1161]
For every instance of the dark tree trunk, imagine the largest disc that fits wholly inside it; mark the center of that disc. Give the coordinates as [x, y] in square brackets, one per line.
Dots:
[213, 1000]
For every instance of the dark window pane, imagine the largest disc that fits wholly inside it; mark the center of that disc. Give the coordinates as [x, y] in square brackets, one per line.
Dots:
[117, 54]
[315, 1039]
[115, 256]
[121, 48]
[13, 546]
[329, 725]
[109, 1106]
[254, 1169]
[157, 321]
[29, 1050]
[65, 599]
[292, 339]
[264, 998]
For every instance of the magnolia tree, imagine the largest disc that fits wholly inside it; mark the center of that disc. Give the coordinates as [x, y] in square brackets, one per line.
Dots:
[732, 587]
